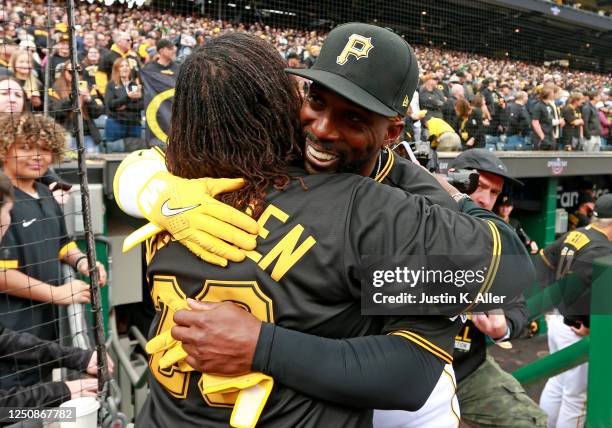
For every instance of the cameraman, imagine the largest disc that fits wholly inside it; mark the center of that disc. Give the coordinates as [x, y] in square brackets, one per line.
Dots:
[489, 396]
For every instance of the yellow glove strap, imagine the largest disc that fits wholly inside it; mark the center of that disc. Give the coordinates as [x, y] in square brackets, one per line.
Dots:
[254, 390]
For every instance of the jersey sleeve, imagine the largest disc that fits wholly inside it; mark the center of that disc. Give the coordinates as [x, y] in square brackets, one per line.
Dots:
[434, 334]
[413, 179]
[536, 114]
[432, 237]
[9, 258]
[569, 115]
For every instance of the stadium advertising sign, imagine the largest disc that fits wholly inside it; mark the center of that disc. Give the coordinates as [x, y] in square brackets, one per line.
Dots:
[568, 190]
[557, 165]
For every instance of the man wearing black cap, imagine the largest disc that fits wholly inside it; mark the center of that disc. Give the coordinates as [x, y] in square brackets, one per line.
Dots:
[166, 56]
[503, 208]
[489, 396]
[581, 216]
[431, 97]
[349, 116]
[564, 396]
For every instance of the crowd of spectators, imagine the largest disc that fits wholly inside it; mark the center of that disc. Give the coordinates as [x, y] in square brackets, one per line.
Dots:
[489, 102]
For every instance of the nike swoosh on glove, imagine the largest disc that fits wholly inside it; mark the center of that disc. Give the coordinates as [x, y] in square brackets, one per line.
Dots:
[188, 210]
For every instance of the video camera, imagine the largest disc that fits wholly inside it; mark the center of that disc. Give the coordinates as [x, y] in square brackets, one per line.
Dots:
[465, 180]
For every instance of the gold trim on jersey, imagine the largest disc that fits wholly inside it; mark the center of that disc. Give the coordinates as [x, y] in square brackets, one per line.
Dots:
[64, 250]
[9, 264]
[154, 244]
[494, 265]
[452, 379]
[387, 168]
[592, 226]
[545, 259]
[424, 343]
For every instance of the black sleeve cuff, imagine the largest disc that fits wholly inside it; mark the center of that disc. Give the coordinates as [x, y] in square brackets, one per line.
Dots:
[261, 359]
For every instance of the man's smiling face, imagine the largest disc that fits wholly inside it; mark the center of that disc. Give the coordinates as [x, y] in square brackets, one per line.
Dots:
[341, 136]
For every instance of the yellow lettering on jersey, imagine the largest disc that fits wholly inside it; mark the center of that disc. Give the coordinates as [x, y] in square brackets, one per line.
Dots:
[357, 46]
[270, 211]
[286, 252]
[465, 338]
[253, 255]
[165, 288]
[577, 240]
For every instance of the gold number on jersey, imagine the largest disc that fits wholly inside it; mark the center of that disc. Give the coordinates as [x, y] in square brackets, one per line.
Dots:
[249, 297]
[245, 294]
[175, 381]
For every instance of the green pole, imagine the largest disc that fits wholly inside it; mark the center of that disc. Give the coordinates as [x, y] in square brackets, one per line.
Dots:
[599, 394]
[555, 363]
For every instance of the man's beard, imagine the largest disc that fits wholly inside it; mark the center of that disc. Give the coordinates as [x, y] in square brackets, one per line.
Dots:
[344, 166]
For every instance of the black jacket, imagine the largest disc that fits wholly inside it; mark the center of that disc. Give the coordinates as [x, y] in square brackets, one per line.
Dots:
[448, 111]
[432, 101]
[107, 61]
[27, 348]
[116, 97]
[591, 126]
[519, 121]
[471, 127]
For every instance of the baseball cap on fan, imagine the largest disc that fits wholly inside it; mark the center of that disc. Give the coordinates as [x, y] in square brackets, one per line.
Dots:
[368, 65]
[483, 160]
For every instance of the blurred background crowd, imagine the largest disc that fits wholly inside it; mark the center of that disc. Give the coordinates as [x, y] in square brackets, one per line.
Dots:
[477, 101]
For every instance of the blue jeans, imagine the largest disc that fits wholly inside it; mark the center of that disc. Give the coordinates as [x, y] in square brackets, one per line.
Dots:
[90, 146]
[115, 146]
[115, 130]
[514, 142]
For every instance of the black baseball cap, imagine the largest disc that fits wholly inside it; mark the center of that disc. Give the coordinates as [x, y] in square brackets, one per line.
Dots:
[603, 206]
[585, 198]
[483, 160]
[505, 199]
[369, 65]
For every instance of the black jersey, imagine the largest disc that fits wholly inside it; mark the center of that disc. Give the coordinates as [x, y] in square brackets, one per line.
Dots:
[574, 252]
[35, 240]
[155, 67]
[304, 276]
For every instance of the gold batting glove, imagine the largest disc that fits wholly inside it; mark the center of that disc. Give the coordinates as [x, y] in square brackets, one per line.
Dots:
[188, 210]
[250, 391]
[174, 352]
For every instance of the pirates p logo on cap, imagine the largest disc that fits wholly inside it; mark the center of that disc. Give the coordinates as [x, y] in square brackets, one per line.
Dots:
[358, 46]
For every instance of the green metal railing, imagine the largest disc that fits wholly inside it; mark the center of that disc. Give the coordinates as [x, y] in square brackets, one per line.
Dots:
[596, 348]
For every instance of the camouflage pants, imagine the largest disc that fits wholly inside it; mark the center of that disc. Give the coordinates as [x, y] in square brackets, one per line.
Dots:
[490, 397]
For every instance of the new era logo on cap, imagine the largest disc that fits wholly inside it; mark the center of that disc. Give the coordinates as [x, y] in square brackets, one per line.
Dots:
[371, 66]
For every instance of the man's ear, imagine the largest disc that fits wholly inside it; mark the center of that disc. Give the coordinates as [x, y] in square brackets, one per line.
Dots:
[394, 129]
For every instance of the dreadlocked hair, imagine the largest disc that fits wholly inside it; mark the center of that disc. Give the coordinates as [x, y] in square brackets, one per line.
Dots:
[235, 114]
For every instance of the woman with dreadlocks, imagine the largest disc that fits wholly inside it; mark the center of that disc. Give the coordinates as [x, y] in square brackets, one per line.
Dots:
[289, 314]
